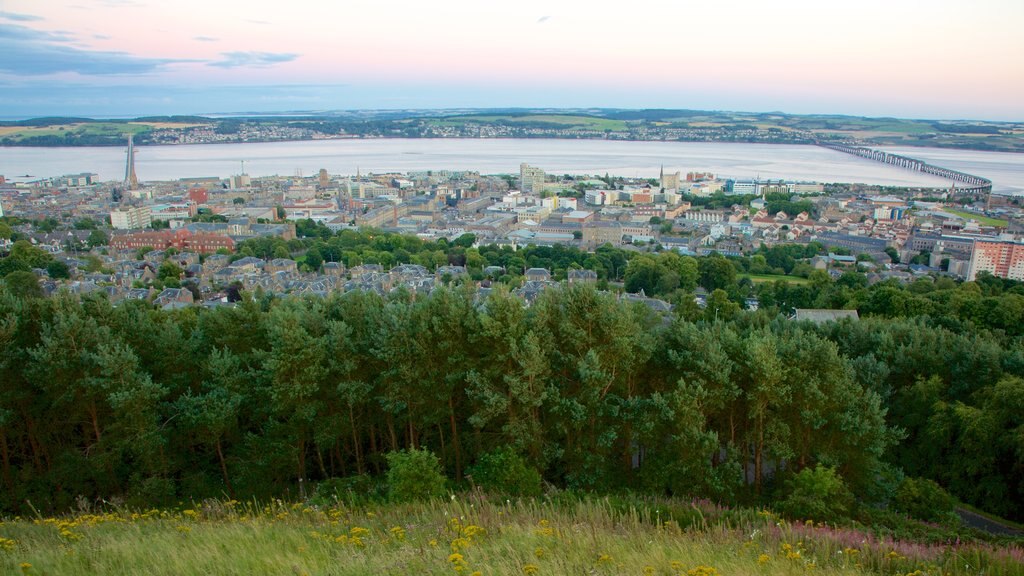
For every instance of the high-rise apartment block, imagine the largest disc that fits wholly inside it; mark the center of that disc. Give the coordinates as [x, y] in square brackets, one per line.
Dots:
[1002, 259]
[131, 218]
[531, 179]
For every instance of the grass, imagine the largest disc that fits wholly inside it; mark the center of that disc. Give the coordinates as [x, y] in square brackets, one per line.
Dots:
[86, 129]
[470, 535]
[983, 220]
[759, 278]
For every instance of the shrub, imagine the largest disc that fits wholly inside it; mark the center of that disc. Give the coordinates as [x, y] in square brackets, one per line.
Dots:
[414, 475]
[925, 500]
[357, 489]
[505, 472]
[817, 494]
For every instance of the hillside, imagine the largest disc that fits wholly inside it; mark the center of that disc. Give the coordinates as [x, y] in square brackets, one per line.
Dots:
[470, 535]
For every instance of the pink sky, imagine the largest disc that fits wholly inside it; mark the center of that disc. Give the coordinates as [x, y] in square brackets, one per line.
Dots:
[919, 58]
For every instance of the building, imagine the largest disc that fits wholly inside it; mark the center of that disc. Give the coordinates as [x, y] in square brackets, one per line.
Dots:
[131, 218]
[531, 179]
[182, 239]
[670, 181]
[83, 179]
[1001, 259]
[743, 187]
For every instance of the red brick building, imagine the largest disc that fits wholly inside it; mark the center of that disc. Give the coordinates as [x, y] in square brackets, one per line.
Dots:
[198, 195]
[182, 239]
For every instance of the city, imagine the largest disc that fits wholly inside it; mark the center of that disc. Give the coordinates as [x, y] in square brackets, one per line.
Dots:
[197, 223]
[523, 288]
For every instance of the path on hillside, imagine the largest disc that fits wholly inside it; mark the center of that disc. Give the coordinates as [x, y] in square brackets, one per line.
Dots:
[981, 523]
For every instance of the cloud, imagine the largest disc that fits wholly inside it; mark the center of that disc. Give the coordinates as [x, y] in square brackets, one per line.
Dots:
[543, 19]
[29, 52]
[260, 22]
[101, 36]
[252, 59]
[206, 39]
[20, 17]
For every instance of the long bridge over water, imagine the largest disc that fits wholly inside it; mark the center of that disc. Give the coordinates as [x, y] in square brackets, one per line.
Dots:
[974, 184]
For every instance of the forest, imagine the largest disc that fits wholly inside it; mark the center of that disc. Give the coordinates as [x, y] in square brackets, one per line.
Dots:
[274, 395]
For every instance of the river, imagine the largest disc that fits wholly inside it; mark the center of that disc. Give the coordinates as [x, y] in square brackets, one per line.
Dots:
[492, 156]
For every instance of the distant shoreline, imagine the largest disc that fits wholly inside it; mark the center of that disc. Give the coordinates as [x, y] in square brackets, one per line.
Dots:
[647, 125]
[697, 141]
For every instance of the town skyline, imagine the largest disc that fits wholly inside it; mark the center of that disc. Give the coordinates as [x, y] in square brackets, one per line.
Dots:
[120, 57]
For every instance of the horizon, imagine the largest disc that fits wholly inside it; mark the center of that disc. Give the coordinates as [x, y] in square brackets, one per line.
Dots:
[457, 111]
[131, 58]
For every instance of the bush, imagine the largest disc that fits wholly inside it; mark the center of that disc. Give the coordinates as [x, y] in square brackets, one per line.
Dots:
[414, 475]
[925, 500]
[505, 472]
[358, 489]
[817, 494]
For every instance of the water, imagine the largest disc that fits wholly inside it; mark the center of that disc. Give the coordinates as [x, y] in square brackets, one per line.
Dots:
[493, 156]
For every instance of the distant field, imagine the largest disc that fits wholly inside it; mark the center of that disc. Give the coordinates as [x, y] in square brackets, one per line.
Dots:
[168, 125]
[759, 278]
[582, 122]
[88, 129]
[983, 220]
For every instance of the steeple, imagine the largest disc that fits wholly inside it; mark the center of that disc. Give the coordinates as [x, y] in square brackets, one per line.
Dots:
[131, 182]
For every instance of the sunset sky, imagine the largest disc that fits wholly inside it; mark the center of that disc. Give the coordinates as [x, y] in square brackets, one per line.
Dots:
[907, 58]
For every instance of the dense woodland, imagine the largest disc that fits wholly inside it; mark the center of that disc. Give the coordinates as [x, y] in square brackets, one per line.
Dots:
[275, 394]
[599, 394]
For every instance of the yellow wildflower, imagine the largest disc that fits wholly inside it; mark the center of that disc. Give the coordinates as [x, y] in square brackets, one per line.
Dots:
[539, 552]
[763, 559]
[530, 569]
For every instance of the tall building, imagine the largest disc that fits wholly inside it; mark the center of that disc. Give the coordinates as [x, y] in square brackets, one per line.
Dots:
[325, 179]
[531, 179]
[1002, 259]
[131, 181]
[240, 181]
[131, 218]
[670, 181]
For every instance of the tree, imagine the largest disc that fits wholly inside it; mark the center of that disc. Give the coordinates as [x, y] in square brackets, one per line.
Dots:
[716, 272]
[23, 284]
[97, 238]
[28, 254]
[58, 270]
[169, 271]
[314, 259]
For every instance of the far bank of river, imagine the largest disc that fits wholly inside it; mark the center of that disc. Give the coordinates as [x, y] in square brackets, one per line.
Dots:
[494, 156]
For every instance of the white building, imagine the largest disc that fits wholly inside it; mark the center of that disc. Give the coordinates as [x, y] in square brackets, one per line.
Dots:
[531, 179]
[131, 218]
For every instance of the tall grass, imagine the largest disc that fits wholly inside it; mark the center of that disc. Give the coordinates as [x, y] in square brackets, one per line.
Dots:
[465, 535]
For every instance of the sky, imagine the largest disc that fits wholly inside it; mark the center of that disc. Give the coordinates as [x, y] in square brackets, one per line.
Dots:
[941, 59]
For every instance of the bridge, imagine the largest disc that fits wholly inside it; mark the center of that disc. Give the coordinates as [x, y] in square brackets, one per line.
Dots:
[973, 184]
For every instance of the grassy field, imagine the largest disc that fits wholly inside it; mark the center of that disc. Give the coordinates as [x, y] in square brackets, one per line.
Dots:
[565, 121]
[983, 220]
[759, 278]
[470, 536]
[86, 129]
